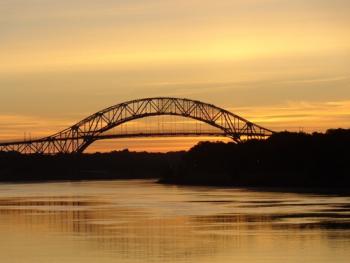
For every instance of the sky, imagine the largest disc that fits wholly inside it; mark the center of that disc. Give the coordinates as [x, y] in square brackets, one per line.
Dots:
[280, 63]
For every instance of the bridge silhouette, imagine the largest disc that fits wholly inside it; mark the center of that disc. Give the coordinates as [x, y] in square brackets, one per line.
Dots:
[78, 137]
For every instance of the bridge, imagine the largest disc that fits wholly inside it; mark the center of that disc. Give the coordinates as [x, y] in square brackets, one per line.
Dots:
[78, 137]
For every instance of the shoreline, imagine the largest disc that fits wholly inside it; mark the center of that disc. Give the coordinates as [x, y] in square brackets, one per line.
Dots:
[282, 189]
[341, 191]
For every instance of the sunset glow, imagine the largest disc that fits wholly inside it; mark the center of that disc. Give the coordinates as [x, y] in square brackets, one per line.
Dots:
[282, 64]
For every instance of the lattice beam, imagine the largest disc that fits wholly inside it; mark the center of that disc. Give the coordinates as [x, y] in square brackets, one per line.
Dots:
[78, 137]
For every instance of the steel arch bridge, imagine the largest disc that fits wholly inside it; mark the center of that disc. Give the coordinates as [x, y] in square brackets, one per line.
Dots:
[78, 137]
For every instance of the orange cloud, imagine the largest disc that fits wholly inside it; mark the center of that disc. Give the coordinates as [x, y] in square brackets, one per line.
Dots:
[307, 116]
[23, 126]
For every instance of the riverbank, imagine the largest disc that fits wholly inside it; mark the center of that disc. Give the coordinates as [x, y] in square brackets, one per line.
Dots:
[295, 160]
[15, 167]
[285, 160]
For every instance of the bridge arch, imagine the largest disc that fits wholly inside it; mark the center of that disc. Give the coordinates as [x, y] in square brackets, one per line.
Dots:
[78, 137]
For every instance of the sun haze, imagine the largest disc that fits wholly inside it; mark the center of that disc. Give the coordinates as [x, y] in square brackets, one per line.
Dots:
[279, 63]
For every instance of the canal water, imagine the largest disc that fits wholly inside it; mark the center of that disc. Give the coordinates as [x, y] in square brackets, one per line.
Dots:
[142, 221]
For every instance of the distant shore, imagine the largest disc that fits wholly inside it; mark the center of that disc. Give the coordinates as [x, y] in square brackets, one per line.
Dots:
[284, 161]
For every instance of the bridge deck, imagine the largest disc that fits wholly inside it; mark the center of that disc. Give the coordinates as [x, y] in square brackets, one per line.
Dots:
[130, 135]
[121, 136]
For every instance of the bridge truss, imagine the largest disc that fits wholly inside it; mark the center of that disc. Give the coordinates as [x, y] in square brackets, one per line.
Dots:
[78, 137]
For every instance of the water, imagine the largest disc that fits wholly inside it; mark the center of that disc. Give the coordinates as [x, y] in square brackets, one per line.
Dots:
[141, 221]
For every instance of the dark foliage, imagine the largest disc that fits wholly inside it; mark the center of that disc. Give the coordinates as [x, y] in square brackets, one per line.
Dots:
[284, 160]
[114, 165]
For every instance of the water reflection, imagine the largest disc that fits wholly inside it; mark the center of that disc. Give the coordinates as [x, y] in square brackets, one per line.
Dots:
[140, 221]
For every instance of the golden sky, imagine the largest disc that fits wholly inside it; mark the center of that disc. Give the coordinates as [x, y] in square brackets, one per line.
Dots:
[283, 64]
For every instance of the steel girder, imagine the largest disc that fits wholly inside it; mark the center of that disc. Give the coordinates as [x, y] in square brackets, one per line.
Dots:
[78, 137]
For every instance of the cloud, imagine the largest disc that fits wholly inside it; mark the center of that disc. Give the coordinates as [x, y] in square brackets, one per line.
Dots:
[308, 116]
[20, 126]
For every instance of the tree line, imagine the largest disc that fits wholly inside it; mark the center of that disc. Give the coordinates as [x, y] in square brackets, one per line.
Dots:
[286, 159]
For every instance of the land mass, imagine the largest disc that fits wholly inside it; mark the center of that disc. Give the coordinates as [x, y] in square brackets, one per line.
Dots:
[284, 160]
